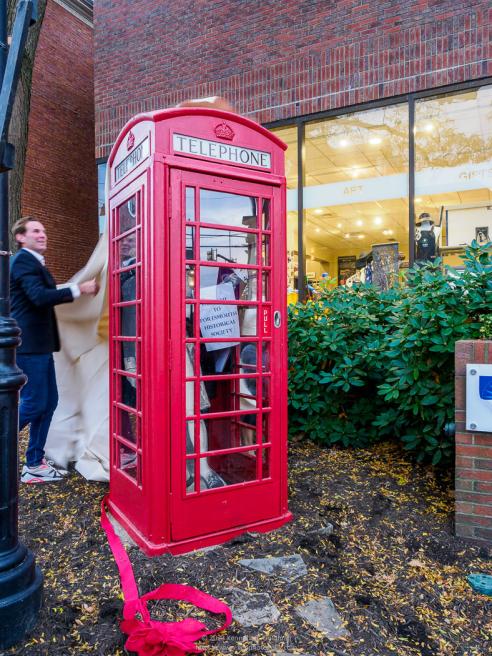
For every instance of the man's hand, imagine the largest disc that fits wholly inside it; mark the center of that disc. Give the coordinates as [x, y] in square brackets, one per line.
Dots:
[89, 287]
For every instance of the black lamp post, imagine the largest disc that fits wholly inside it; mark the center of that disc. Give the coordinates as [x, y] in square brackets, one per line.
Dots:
[21, 581]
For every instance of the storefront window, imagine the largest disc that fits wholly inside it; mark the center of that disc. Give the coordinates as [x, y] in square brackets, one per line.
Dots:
[356, 197]
[289, 136]
[453, 173]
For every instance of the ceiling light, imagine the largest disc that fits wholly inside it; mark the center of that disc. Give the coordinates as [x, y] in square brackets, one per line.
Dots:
[418, 200]
[359, 223]
[374, 141]
[318, 210]
[355, 171]
[378, 220]
[360, 236]
[339, 225]
[429, 127]
[318, 229]
[347, 235]
[343, 143]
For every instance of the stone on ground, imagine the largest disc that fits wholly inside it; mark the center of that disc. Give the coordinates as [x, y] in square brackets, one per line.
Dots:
[323, 616]
[251, 609]
[288, 568]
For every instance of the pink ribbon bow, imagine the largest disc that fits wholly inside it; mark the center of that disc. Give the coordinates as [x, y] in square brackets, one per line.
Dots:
[158, 638]
[150, 638]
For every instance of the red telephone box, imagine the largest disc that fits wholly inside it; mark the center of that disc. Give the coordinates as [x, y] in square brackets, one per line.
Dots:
[198, 349]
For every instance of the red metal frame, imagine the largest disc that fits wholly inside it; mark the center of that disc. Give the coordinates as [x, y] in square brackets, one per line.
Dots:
[160, 501]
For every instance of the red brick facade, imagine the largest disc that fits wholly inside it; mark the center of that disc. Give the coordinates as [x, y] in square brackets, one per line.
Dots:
[473, 453]
[279, 59]
[60, 183]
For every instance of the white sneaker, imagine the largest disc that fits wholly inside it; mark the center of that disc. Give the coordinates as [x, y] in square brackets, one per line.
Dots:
[62, 472]
[43, 473]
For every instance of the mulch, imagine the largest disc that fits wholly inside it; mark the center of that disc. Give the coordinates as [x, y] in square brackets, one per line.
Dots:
[392, 567]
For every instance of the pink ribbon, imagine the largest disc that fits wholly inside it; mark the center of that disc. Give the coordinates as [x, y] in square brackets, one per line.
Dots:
[145, 636]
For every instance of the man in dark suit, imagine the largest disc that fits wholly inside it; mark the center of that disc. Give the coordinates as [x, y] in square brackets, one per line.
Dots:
[33, 296]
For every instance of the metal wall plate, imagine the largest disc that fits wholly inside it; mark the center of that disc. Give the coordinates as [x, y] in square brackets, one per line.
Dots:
[479, 397]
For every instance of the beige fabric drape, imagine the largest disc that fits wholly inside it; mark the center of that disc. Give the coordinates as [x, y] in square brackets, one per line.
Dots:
[80, 428]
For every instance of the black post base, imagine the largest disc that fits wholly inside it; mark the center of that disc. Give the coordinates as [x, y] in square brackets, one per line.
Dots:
[21, 592]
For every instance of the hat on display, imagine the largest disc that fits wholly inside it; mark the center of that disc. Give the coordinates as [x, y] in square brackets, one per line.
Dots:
[423, 218]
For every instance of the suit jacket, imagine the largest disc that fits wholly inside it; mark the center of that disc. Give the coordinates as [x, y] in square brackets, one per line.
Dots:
[33, 295]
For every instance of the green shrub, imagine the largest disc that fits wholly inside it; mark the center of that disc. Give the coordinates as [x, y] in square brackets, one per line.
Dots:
[485, 326]
[364, 364]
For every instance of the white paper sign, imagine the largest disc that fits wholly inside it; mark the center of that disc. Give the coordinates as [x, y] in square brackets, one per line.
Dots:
[219, 320]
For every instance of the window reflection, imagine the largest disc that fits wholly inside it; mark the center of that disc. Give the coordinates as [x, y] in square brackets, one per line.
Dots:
[266, 214]
[190, 203]
[227, 209]
[127, 460]
[128, 384]
[190, 243]
[227, 246]
[128, 215]
[453, 179]
[128, 422]
[266, 463]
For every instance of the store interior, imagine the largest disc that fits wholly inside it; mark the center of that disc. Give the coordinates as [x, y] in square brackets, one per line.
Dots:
[356, 181]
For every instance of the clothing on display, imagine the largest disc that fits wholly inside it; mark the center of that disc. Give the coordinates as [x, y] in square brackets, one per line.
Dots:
[363, 271]
[425, 239]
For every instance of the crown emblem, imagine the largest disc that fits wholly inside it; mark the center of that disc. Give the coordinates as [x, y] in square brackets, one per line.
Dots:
[130, 141]
[224, 131]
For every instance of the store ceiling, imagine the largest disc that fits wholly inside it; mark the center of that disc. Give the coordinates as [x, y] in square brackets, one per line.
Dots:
[450, 131]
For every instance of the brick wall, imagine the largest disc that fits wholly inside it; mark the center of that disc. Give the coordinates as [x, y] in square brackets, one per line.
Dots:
[277, 59]
[473, 453]
[60, 182]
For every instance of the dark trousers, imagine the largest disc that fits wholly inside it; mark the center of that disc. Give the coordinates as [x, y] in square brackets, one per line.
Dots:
[38, 400]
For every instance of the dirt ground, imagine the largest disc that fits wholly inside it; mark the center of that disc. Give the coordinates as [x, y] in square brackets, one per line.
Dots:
[392, 566]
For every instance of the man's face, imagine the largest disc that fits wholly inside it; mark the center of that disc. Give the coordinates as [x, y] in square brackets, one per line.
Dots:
[34, 238]
[127, 246]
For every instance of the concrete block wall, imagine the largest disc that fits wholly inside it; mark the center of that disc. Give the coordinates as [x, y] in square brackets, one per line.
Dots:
[473, 453]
